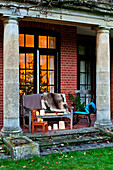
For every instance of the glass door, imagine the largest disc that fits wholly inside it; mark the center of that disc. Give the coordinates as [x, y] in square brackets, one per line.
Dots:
[47, 73]
[38, 63]
[86, 67]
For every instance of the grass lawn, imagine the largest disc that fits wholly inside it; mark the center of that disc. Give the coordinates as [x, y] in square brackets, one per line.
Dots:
[98, 159]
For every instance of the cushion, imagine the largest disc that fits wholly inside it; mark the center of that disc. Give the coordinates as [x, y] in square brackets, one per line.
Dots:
[54, 102]
[78, 112]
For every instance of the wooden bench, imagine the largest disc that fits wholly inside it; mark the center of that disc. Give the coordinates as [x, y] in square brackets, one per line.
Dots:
[67, 114]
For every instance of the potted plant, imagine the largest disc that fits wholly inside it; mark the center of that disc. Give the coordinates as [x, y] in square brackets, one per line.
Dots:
[76, 102]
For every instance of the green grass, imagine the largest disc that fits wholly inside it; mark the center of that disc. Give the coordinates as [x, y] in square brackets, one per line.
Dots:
[97, 159]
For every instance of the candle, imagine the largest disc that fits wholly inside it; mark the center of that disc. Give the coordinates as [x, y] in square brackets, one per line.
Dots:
[39, 119]
[61, 125]
[49, 127]
[42, 112]
[55, 126]
[37, 113]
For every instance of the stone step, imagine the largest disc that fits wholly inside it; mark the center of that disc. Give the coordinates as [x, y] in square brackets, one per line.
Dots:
[4, 156]
[3, 151]
[81, 147]
[59, 133]
[68, 140]
[76, 141]
[68, 136]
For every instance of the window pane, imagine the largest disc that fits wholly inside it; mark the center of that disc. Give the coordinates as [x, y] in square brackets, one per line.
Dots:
[29, 77]
[89, 87]
[21, 40]
[82, 78]
[22, 60]
[22, 77]
[43, 89]
[21, 91]
[51, 42]
[81, 50]
[43, 77]
[82, 66]
[89, 78]
[29, 90]
[50, 62]
[29, 61]
[51, 77]
[42, 41]
[29, 40]
[88, 66]
[82, 87]
[43, 62]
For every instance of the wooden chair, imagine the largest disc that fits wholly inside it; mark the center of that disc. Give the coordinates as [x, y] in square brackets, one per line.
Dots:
[88, 97]
[35, 123]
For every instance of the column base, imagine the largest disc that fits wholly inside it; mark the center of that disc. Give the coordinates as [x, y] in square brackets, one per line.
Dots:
[103, 124]
[11, 132]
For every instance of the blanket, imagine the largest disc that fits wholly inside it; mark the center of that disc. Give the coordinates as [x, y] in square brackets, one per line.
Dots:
[54, 102]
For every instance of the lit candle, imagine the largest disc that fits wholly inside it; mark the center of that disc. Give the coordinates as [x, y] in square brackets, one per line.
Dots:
[55, 126]
[49, 127]
[39, 119]
[61, 125]
[42, 112]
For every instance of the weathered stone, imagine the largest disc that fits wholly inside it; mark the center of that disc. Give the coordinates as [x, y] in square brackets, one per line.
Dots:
[20, 149]
[103, 78]
[11, 78]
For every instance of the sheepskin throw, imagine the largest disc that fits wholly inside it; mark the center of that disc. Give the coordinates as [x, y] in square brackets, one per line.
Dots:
[54, 101]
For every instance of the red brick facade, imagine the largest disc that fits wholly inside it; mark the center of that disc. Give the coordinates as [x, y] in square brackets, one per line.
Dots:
[68, 54]
[68, 59]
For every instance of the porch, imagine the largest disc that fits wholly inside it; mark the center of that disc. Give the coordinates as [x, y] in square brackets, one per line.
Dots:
[55, 56]
[82, 123]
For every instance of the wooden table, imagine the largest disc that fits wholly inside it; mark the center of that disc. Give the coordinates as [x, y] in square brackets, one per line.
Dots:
[52, 115]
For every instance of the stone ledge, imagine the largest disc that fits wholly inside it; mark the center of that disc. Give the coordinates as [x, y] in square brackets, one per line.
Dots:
[22, 150]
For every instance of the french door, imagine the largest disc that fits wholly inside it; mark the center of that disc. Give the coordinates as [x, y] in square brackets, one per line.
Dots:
[86, 66]
[38, 63]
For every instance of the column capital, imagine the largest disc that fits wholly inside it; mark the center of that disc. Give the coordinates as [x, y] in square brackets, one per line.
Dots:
[10, 19]
[102, 29]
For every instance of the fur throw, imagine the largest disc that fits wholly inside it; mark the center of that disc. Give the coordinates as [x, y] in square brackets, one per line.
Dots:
[54, 101]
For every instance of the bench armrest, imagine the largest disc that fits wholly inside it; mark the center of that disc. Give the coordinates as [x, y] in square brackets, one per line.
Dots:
[70, 107]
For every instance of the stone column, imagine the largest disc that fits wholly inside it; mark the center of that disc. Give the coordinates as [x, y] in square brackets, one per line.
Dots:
[11, 125]
[103, 78]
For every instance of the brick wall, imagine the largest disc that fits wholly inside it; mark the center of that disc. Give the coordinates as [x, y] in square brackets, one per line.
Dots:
[1, 74]
[68, 54]
[68, 60]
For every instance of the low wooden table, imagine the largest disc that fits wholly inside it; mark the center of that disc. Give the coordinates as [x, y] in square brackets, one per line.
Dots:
[44, 125]
[53, 115]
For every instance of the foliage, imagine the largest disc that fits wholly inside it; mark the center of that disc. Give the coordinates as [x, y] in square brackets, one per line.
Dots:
[96, 159]
[76, 102]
